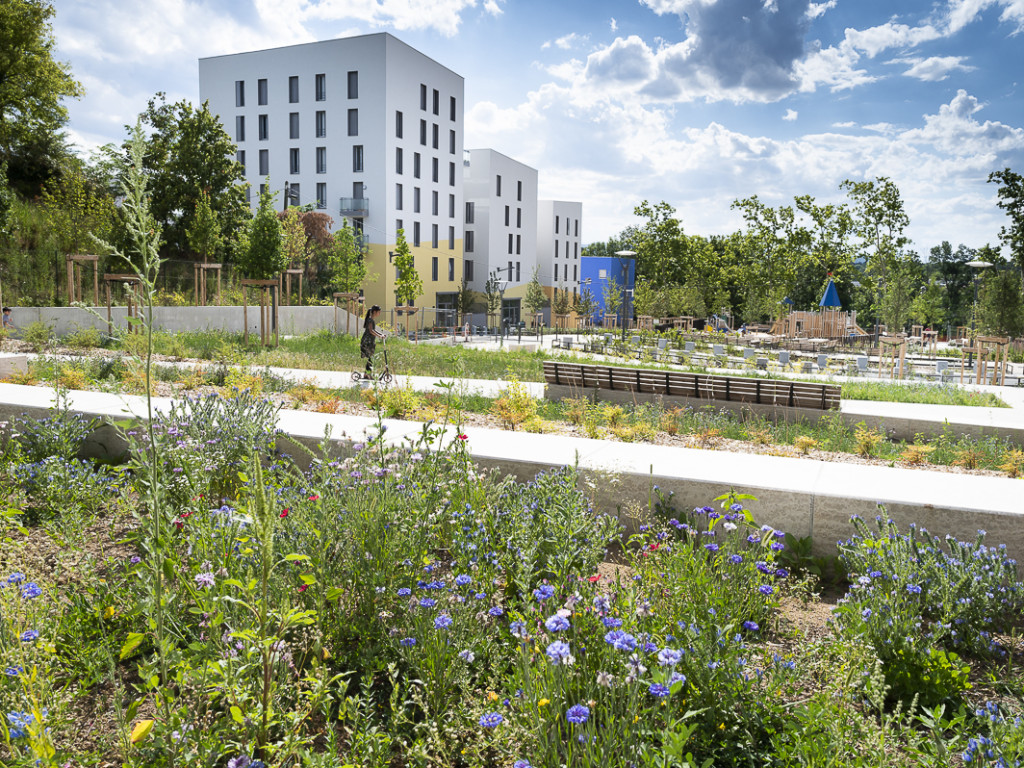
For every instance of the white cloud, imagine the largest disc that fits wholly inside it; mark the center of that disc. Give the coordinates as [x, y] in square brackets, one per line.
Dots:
[613, 25]
[962, 12]
[565, 42]
[816, 10]
[936, 68]
[845, 124]
[790, 116]
[492, 7]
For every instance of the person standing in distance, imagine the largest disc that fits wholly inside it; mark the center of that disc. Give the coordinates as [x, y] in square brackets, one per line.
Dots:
[368, 343]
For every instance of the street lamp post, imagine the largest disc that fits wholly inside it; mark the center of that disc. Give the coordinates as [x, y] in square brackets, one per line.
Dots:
[623, 255]
[975, 266]
[501, 285]
[584, 282]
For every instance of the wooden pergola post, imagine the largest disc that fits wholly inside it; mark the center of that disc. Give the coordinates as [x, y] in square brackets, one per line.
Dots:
[269, 317]
[134, 300]
[75, 262]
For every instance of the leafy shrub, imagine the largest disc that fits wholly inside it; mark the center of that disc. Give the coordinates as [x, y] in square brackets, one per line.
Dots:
[62, 487]
[397, 402]
[514, 405]
[84, 338]
[37, 335]
[805, 444]
[867, 440]
[1013, 462]
[917, 454]
[71, 378]
[575, 410]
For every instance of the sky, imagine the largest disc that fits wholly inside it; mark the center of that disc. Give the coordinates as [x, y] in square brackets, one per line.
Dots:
[694, 102]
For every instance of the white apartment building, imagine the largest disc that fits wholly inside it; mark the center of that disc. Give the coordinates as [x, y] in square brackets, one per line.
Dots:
[368, 128]
[500, 225]
[559, 244]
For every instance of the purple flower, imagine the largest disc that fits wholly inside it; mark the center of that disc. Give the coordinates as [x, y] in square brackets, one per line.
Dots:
[467, 656]
[543, 592]
[31, 590]
[206, 581]
[491, 720]
[496, 611]
[866, 613]
[658, 690]
[557, 623]
[712, 547]
[517, 628]
[443, 621]
[620, 641]
[427, 602]
[559, 653]
[135, 560]
[408, 642]
[521, 764]
[735, 559]
[577, 714]
[611, 622]
[239, 762]
[669, 657]
[766, 589]
[750, 626]
[404, 592]
[913, 589]
[463, 580]
[29, 636]
[16, 578]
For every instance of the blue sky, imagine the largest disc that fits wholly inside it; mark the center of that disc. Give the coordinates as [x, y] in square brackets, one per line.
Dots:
[695, 102]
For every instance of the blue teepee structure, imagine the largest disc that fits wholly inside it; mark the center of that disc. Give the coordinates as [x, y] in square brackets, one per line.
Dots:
[831, 297]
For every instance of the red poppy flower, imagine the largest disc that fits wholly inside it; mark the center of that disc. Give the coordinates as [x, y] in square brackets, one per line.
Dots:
[284, 512]
[462, 437]
[304, 587]
[314, 497]
[594, 579]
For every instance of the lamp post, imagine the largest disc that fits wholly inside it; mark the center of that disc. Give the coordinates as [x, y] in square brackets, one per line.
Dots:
[975, 266]
[501, 285]
[584, 282]
[623, 255]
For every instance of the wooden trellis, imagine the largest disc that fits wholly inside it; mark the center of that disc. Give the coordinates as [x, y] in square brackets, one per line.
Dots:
[269, 324]
[353, 304]
[201, 276]
[892, 356]
[986, 348]
[75, 263]
[133, 291]
[288, 274]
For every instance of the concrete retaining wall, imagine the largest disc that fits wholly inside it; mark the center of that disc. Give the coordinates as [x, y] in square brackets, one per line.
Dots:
[294, 320]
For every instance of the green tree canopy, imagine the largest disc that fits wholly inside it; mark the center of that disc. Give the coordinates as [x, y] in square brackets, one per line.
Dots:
[535, 300]
[408, 283]
[204, 235]
[262, 257]
[77, 212]
[1011, 200]
[33, 86]
[346, 260]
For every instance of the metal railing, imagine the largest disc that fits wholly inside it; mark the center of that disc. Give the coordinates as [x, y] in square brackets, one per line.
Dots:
[355, 206]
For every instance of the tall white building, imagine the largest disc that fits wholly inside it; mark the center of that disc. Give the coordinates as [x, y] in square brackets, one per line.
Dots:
[558, 243]
[370, 129]
[500, 225]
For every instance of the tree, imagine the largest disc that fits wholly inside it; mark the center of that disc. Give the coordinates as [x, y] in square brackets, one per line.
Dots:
[645, 298]
[408, 283]
[6, 202]
[1000, 304]
[899, 293]
[769, 269]
[1011, 200]
[928, 307]
[189, 151]
[262, 257]
[659, 244]
[346, 261]
[585, 305]
[465, 298]
[293, 239]
[952, 270]
[560, 302]
[535, 300]
[204, 234]
[492, 295]
[33, 86]
[611, 292]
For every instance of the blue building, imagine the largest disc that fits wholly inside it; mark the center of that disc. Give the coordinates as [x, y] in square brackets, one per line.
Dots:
[602, 274]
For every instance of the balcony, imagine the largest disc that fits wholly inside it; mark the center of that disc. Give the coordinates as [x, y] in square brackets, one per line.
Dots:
[355, 206]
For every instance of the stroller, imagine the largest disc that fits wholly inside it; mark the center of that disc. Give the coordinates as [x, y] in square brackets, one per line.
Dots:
[385, 376]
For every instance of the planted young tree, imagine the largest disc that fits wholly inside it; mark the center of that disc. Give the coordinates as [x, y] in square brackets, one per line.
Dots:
[585, 305]
[928, 306]
[263, 257]
[1011, 200]
[346, 261]
[465, 298]
[535, 300]
[492, 295]
[1000, 304]
[560, 303]
[611, 292]
[408, 283]
[204, 236]
[293, 239]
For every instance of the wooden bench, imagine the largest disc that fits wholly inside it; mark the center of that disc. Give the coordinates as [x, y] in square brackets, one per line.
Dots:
[699, 386]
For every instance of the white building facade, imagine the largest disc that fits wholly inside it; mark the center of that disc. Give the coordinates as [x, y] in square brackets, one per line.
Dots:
[559, 227]
[368, 128]
[500, 230]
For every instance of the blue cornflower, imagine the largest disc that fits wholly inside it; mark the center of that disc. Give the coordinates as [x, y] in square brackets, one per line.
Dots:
[16, 578]
[611, 622]
[543, 592]
[620, 641]
[404, 592]
[669, 657]
[407, 641]
[735, 559]
[557, 623]
[29, 635]
[521, 764]
[463, 580]
[577, 714]
[242, 761]
[31, 590]
[750, 626]
[496, 611]
[658, 690]
[427, 602]
[712, 547]
[766, 589]
[491, 720]
[677, 677]
[467, 656]
[14, 671]
[866, 613]
[559, 653]
[913, 589]
[443, 621]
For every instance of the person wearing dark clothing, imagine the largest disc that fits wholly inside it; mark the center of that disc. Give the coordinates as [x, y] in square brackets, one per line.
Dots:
[368, 343]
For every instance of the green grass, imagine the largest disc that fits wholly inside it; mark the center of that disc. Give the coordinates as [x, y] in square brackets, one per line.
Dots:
[932, 394]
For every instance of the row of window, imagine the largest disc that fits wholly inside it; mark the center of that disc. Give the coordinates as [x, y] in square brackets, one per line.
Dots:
[319, 89]
[263, 125]
[436, 101]
[565, 273]
[294, 157]
[497, 188]
[296, 191]
[435, 133]
[568, 221]
[576, 249]
[434, 235]
[468, 271]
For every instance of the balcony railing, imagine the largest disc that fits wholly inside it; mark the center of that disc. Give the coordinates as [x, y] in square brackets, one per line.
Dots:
[355, 206]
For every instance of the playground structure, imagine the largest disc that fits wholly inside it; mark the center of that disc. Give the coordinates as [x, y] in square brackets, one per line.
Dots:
[828, 324]
[75, 263]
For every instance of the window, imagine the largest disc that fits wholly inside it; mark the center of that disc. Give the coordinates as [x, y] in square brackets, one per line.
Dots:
[510, 242]
[398, 160]
[294, 190]
[519, 245]
[293, 89]
[248, 194]
[321, 159]
[320, 87]
[565, 271]
[416, 233]
[467, 270]
[293, 125]
[398, 124]
[556, 225]
[508, 273]
[293, 160]
[239, 93]
[433, 268]
[437, 102]
[423, 97]
[451, 244]
[518, 279]
[575, 250]
[574, 268]
[433, 203]
[470, 210]
[577, 232]
[261, 92]
[498, 189]
[240, 128]
[519, 218]
[353, 122]
[264, 162]
[321, 195]
[423, 132]
[398, 197]
[398, 225]
[433, 169]
[451, 109]
[451, 262]
[415, 165]
[262, 121]
[451, 174]
[451, 206]
[353, 85]
[263, 189]
[467, 243]
[556, 249]
[519, 191]
[321, 124]
[507, 210]
[556, 273]
[434, 136]
[415, 199]
[357, 158]
[240, 157]
[451, 142]
[433, 236]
